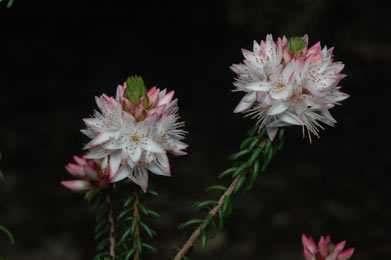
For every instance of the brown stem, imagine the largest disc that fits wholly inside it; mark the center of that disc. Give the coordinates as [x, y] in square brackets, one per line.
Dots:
[112, 230]
[212, 212]
[136, 214]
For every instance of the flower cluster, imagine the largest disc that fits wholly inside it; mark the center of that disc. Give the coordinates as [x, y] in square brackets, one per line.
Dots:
[325, 250]
[287, 83]
[90, 173]
[133, 132]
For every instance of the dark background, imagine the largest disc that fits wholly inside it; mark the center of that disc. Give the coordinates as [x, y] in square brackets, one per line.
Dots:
[56, 56]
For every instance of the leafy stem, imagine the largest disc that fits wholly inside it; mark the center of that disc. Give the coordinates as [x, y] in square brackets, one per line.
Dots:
[112, 226]
[135, 224]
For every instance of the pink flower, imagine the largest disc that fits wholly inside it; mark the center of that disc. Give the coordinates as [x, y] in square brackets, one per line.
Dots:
[325, 250]
[287, 83]
[135, 131]
[90, 173]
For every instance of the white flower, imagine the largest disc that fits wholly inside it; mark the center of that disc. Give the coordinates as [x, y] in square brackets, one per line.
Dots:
[288, 84]
[134, 132]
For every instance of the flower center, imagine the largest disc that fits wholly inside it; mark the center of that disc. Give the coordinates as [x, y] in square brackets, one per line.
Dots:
[135, 138]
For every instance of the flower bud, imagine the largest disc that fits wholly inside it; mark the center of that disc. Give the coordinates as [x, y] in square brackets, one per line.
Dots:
[297, 44]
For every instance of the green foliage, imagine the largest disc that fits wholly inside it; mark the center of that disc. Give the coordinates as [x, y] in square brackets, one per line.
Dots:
[255, 154]
[8, 233]
[126, 224]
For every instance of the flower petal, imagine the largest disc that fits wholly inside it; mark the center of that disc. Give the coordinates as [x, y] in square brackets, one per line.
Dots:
[123, 173]
[76, 185]
[151, 146]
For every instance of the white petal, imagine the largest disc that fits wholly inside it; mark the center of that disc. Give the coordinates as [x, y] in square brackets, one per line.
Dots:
[163, 161]
[278, 108]
[76, 185]
[151, 146]
[115, 160]
[97, 153]
[156, 169]
[140, 177]
[271, 132]
[135, 154]
[290, 119]
[258, 86]
[124, 172]
[246, 102]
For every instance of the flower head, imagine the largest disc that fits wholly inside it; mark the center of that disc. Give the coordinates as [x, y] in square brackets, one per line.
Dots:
[325, 250]
[287, 83]
[90, 172]
[134, 132]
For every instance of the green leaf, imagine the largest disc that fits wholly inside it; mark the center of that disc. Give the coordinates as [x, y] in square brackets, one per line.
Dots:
[255, 155]
[204, 240]
[103, 244]
[268, 158]
[8, 233]
[146, 228]
[241, 181]
[1, 176]
[254, 175]
[99, 256]
[189, 223]
[239, 154]
[281, 134]
[134, 223]
[281, 144]
[214, 229]
[225, 206]
[138, 243]
[123, 213]
[128, 201]
[226, 172]
[252, 131]
[204, 204]
[153, 213]
[92, 195]
[101, 224]
[153, 193]
[149, 247]
[246, 142]
[143, 209]
[221, 219]
[129, 255]
[10, 3]
[216, 187]
[241, 168]
[206, 222]
[126, 234]
[101, 233]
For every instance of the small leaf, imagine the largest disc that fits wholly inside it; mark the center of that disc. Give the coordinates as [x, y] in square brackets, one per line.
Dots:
[123, 213]
[252, 131]
[204, 240]
[128, 201]
[206, 222]
[267, 159]
[99, 256]
[221, 219]
[203, 204]
[225, 206]
[101, 224]
[241, 181]
[126, 234]
[239, 154]
[149, 247]
[216, 187]
[101, 233]
[103, 244]
[1, 176]
[153, 193]
[214, 229]
[8, 233]
[226, 172]
[255, 155]
[240, 169]
[254, 174]
[143, 209]
[146, 228]
[246, 141]
[281, 134]
[134, 223]
[129, 255]
[281, 144]
[10, 3]
[153, 213]
[138, 243]
[189, 223]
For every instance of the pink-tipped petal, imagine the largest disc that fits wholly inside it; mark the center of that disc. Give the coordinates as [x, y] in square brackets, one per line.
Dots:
[76, 185]
[345, 254]
[123, 173]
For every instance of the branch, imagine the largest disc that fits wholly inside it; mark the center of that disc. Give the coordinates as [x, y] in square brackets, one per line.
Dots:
[212, 212]
[136, 214]
[112, 230]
